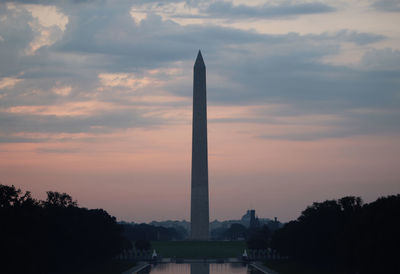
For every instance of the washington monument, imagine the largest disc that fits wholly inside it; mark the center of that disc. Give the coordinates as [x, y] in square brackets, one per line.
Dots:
[199, 212]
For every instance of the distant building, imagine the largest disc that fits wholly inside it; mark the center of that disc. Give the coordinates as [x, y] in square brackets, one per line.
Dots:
[253, 220]
[249, 219]
[246, 218]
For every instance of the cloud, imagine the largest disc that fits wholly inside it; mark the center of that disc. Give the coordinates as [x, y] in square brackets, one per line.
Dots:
[16, 35]
[14, 139]
[8, 82]
[382, 59]
[143, 70]
[62, 91]
[354, 122]
[278, 9]
[209, 9]
[50, 2]
[123, 80]
[58, 150]
[359, 38]
[387, 5]
[99, 123]
[48, 26]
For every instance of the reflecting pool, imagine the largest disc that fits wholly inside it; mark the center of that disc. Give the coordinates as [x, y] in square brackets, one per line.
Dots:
[200, 268]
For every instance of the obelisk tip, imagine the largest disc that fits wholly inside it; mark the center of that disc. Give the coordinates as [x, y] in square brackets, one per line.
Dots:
[199, 60]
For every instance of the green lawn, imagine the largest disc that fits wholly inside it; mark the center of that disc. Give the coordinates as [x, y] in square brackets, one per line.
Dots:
[199, 249]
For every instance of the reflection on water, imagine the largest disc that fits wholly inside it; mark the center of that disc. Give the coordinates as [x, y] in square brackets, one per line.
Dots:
[201, 268]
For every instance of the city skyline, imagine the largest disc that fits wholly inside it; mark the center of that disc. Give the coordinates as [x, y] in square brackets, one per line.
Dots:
[303, 103]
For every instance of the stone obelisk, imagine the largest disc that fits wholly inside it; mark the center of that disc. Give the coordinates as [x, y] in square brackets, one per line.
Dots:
[199, 212]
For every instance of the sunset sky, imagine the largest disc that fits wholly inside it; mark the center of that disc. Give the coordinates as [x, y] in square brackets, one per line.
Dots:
[303, 102]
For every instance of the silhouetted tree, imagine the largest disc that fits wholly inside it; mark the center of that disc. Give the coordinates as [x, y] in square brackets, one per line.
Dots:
[259, 238]
[12, 197]
[178, 232]
[142, 245]
[53, 236]
[56, 199]
[151, 233]
[236, 231]
[345, 235]
[218, 233]
[376, 236]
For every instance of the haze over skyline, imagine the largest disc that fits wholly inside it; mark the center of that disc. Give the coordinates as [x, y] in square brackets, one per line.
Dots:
[303, 102]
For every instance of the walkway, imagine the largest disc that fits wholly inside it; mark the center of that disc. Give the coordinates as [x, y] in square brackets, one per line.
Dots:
[137, 268]
[261, 267]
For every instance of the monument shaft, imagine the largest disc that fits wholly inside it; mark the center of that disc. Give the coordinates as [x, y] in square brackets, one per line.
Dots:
[199, 214]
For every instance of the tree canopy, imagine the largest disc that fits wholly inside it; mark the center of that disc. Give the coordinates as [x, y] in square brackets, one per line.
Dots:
[55, 235]
[345, 235]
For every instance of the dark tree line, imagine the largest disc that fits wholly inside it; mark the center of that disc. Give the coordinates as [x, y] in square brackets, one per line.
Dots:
[345, 236]
[259, 238]
[135, 232]
[253, 235]
[235, 231]
[55, 235]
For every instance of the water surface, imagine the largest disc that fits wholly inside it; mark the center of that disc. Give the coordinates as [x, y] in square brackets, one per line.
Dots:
[201, 268]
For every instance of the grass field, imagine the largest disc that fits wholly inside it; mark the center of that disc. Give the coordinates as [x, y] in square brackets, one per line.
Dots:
[199, 249]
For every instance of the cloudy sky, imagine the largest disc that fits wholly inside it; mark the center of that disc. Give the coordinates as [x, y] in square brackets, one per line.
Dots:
[304, 102]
